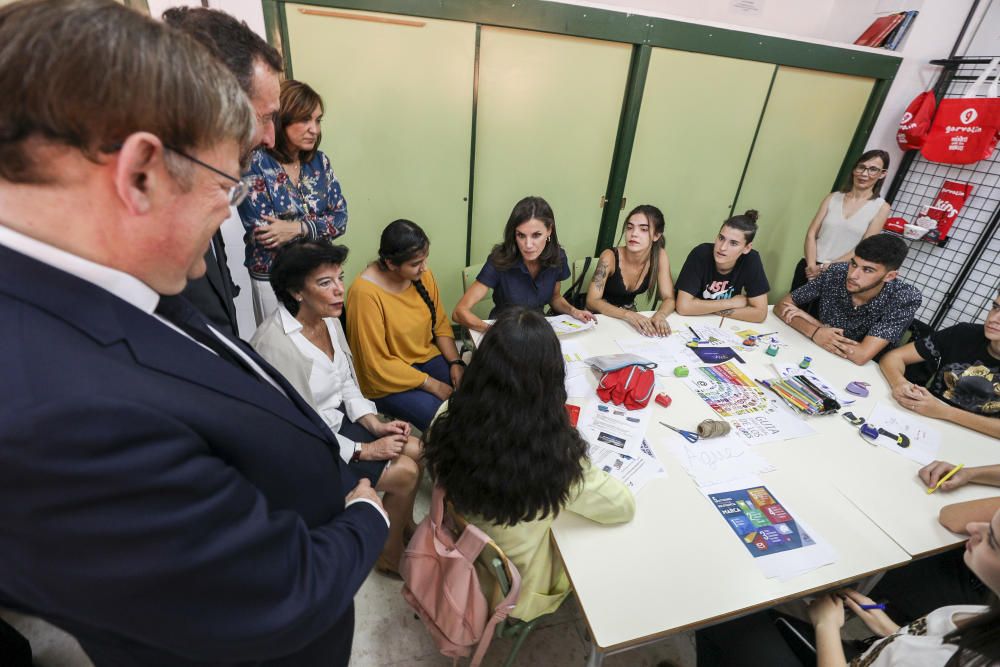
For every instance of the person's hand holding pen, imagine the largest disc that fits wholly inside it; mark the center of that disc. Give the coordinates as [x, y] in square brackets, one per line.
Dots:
[932, 473]
[872, 614]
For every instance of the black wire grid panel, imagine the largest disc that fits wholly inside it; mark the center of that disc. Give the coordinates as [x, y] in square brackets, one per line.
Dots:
[951, 294]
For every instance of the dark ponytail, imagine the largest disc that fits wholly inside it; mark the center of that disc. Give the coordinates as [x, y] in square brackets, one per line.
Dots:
[746, 223]
[401, 241]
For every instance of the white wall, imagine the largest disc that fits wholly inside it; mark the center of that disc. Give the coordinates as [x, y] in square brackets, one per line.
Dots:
[790, 17]
[986, 39]
[933, 35]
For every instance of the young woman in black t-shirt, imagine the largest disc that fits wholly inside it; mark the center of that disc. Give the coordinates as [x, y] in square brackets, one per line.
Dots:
[727, 277]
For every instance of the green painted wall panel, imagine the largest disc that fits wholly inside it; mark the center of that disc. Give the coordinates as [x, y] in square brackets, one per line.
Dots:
[397, 128]
[806, 132]
[696, 126]
[548, 111]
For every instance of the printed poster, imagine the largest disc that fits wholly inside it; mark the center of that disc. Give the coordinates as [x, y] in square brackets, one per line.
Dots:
[755, 416]
[781, 546]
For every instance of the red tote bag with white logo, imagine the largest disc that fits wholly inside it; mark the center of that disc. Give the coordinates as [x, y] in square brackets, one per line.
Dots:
[966, 129]
[916, 122]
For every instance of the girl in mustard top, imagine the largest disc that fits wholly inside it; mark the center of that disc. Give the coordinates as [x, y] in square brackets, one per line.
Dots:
[403, 345]
[509, 460]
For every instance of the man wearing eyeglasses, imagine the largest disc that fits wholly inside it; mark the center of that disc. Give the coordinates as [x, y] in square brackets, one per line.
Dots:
[257, 66]
[165, 496]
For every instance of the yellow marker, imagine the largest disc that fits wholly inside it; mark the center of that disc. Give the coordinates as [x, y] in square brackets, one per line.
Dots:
[946, 478]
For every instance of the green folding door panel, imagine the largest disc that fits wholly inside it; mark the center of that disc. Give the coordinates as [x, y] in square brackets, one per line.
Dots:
[397, 126]
[804, 135]
[547, 116]
[695, 130]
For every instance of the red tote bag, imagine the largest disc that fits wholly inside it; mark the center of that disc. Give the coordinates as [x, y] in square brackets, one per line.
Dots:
[966, 129]
[916, 122]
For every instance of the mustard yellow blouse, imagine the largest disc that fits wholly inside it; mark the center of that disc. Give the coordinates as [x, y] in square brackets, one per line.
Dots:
[388, 332]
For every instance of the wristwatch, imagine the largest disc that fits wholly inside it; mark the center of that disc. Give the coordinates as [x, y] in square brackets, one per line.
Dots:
[457, 362]
[356, 456]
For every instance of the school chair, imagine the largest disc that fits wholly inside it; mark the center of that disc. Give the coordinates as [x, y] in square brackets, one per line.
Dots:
[582, 273]
[493, 568]
[481, 309]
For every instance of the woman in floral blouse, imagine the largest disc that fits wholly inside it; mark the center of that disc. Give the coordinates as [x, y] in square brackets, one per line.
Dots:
[293, 191]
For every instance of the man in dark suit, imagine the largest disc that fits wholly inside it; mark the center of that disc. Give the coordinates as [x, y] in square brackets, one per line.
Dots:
[256, 65]
[165, 496]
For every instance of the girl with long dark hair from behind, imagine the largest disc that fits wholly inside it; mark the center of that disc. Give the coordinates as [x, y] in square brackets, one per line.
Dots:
[639, 266]
[525, 269]
[404, 348]
[509, 460]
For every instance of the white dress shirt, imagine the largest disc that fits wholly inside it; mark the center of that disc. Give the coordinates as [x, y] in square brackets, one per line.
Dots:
[331, 381]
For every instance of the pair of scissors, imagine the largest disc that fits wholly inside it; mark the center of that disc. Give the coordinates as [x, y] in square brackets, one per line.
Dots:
[687, 435]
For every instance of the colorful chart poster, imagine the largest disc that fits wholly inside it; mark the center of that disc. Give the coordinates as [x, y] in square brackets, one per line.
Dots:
[780, 544]
[760, 521]
[754, 416]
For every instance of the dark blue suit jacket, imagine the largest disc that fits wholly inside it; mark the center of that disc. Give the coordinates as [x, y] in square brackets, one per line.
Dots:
[155, 500]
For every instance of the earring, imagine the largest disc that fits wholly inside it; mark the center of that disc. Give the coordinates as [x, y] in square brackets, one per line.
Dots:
[548, 238]
[299, 299]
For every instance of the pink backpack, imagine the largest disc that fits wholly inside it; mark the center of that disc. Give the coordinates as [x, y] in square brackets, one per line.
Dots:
[441, 584]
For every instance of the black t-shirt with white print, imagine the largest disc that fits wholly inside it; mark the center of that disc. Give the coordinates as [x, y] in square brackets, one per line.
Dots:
[700, 278]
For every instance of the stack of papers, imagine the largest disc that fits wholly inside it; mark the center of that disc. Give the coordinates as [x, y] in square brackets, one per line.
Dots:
[633, 471]
[564, 324]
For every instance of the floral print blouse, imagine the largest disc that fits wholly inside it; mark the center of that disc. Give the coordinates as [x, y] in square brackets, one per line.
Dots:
[316, 200]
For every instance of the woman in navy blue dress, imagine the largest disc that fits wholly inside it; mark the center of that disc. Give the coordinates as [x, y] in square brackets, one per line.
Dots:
[525, 270]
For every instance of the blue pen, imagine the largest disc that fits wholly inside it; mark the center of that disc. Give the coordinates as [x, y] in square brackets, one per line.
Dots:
[872, 606]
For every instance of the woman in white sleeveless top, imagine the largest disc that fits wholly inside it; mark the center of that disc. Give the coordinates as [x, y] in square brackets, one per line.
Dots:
[845, 217]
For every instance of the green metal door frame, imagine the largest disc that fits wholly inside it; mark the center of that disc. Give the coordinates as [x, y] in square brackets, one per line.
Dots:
[644, 32]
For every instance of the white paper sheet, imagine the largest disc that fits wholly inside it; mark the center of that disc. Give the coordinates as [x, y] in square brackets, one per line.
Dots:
[635, 472]
[762, 529]
[613, 426]
[564, 324]
[580, 385]
[574, 355]
[716, 460]
[925, 440]
[715, 335]
[668, 353]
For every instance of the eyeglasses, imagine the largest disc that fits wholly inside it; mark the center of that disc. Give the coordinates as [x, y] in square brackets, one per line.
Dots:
[868, 171]
[239, 190]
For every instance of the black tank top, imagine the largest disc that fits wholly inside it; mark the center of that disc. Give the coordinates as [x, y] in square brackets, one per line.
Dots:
[614, 290]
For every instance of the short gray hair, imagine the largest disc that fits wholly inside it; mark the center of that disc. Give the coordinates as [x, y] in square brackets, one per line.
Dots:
[88, 73]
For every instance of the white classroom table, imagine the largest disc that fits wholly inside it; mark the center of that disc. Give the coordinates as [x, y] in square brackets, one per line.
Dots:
[678, 566]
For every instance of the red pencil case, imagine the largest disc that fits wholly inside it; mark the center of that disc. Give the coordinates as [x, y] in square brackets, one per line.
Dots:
[631, 387]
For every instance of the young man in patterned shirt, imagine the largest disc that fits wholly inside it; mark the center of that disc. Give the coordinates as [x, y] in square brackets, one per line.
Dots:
[863, 307]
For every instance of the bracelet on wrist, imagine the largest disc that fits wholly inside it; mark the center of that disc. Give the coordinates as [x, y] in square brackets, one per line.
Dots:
[356, 456]
[815, 331]
[457, 362]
